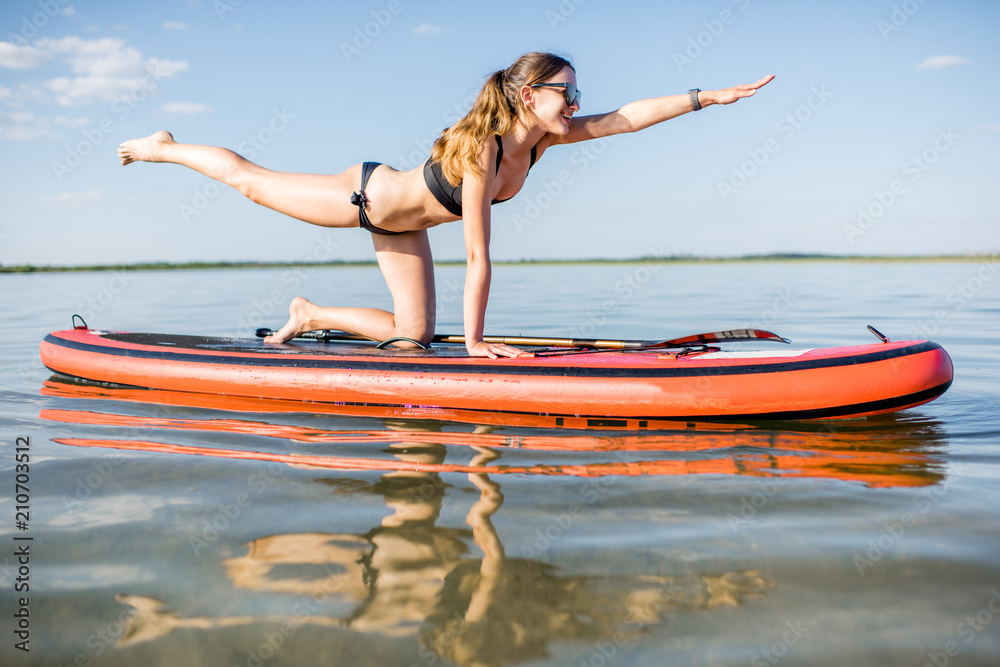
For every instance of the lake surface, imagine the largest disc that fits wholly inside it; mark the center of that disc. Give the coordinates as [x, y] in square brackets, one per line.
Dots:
[867, 542]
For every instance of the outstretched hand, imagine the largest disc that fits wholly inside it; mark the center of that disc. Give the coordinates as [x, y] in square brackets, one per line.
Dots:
[730, 95]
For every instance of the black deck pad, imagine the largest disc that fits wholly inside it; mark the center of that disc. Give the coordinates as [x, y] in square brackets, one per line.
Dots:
[298, 346]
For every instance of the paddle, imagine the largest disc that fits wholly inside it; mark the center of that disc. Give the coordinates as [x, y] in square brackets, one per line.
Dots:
[728, 336]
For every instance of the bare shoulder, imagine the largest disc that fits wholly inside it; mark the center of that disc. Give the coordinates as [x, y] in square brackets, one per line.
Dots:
[547, 140]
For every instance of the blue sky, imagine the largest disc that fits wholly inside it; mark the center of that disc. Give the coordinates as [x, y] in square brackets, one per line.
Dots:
[878, 136]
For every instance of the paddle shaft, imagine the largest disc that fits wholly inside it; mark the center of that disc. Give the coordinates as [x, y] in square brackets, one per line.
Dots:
[728, 336]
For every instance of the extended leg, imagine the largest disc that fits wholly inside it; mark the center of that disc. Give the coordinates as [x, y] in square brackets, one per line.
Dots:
[317, 199]
[406, 263]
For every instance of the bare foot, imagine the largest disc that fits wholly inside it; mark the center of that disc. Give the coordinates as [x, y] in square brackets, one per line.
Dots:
[146, 149]
[299, 321]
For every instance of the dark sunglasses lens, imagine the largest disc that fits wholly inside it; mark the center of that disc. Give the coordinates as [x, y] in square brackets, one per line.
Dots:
[572, 94]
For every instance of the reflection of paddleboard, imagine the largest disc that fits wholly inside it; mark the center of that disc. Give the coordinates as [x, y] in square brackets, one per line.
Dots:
[886, 458]
[699, 384]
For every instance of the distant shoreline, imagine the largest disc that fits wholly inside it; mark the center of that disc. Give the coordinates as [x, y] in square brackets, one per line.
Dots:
[778, 257]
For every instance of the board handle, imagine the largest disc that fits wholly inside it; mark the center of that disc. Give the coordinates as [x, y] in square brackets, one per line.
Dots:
[878, 334]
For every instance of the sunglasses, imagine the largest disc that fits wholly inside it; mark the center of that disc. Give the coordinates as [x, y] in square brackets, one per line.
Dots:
[571, 93]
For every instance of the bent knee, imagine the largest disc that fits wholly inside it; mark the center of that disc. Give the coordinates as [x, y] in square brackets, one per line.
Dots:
[424, 340]
[422, 335]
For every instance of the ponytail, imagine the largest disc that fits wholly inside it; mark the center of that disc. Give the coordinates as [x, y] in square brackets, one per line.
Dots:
[495, 111]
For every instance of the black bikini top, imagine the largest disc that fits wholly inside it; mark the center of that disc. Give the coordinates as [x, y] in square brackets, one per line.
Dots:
[450, 195]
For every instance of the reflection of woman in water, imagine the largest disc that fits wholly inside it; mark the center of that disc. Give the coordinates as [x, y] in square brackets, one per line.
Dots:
[409, 572]
[410, 576]
[484, 158]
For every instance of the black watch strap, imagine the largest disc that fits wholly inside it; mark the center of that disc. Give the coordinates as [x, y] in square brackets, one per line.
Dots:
[694, 98]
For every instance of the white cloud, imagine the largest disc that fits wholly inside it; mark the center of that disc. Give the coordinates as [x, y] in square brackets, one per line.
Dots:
[186, 108]
[25, 126]
[942, 62]
[20, 97]
[72, 199]
[70, 10]
[430, 29]
[174, 25]
[106, 69]
[96, 197]
[77, 200]
[13, 56]
[22, 126]
[106, 56]
[71, 122]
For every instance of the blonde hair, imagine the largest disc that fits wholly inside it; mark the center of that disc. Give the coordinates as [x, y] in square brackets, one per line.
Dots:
[494, 112]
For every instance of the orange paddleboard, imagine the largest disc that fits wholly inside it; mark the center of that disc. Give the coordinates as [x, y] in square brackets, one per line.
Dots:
[655, 384]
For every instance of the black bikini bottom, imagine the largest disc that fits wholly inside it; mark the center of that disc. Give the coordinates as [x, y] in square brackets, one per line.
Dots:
[360, 200]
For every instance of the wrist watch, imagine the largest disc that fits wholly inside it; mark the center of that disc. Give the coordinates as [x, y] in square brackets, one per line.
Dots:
[694, 98]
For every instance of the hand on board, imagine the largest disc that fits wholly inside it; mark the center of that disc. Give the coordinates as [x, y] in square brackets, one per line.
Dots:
[494, 350]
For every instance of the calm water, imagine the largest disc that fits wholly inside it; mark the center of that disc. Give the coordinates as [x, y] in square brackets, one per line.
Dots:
[866, 543]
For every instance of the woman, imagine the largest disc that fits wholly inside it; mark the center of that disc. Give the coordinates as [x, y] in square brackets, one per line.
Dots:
[481, 160]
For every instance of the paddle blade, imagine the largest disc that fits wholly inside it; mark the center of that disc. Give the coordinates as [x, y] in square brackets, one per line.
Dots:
[728, 336]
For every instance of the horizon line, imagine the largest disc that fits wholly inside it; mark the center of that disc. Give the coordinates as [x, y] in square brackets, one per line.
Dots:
[267, 264]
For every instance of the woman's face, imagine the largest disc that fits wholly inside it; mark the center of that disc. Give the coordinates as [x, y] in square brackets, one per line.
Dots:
[549, 104]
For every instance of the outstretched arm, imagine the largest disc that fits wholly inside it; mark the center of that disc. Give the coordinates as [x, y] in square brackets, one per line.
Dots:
[639, 115]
